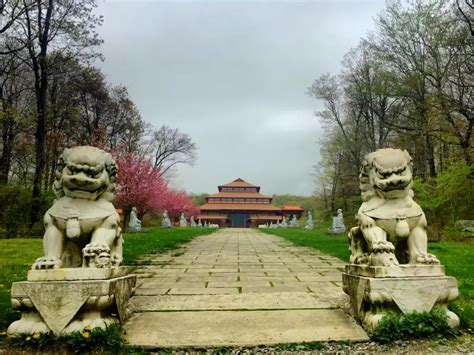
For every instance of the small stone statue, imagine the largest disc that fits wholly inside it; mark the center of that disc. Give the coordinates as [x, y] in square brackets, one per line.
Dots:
[182, 221]
[134, 225]
[165, 222]
[199, 223]
[309, 222]
[192, 222]
[294, 222]
[338, 226]
[284, 223]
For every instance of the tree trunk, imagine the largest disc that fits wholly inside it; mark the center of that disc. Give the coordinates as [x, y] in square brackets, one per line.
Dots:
[8, 139]
[40, 67]
[40, 138]
[126, 217]
[466, 142]
[430, 155]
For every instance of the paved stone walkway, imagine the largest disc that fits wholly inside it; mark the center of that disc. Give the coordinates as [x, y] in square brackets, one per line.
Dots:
[239, 287]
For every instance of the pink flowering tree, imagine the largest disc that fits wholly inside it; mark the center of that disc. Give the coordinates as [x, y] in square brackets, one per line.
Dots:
[139, 185]
[177, 202]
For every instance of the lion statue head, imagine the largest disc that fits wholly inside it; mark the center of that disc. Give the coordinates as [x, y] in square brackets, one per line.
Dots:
[85, 172]
[386, 173]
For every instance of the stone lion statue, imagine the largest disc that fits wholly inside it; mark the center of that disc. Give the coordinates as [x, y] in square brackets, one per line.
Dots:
[82, 226]
[391, 225]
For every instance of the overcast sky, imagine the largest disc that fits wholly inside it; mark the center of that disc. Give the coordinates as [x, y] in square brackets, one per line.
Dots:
[233, 75]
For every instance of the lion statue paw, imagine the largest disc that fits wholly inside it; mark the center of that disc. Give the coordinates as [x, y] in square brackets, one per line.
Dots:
[383, 246]
[116, 259]
[427, 258]
[382, 258]
[96, 255]
[45, 263]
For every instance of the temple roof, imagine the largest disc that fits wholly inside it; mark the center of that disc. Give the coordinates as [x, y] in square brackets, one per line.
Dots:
[238, 207]
[239, 194]
[239, 183]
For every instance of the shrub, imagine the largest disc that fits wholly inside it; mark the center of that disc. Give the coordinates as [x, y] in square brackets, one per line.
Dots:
[414, 325]
[36, 341]
[14, 216]
[449, 197]
[15, 213]
[88, 340]
[463, 307]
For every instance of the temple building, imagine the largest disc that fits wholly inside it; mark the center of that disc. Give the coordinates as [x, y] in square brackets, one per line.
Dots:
[239, 204]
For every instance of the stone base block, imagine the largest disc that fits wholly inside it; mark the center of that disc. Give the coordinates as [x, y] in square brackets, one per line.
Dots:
[67, 306]
[77, 273]
[403, 270]
[373, 297]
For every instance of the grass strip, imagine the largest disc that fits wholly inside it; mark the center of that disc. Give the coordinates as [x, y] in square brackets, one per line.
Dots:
[335, 245]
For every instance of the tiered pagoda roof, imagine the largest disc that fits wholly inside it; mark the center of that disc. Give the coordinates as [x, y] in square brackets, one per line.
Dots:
[238, 206]
[240, 184]
[239, 195]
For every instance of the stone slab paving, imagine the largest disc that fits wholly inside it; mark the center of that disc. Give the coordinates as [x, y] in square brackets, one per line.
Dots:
[239, 287]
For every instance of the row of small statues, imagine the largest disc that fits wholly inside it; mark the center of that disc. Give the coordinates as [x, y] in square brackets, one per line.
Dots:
[338, 226]
[135, 225]
[166, 223]
[294, 223]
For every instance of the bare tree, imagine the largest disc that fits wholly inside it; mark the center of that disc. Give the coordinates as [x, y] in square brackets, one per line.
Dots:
[368, 89]
[466, 8]
[124, 125]
[336, 117]
[14, 105]
[41, 26]
[170, 147]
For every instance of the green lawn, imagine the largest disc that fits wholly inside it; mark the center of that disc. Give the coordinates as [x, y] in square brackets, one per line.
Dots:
[456, 257]
[158, 241]
[335, 245]
[17, 255]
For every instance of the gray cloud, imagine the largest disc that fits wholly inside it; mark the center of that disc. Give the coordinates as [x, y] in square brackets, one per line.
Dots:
[233, 75]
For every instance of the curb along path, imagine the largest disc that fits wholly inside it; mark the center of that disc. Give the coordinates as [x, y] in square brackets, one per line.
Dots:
[239, 287]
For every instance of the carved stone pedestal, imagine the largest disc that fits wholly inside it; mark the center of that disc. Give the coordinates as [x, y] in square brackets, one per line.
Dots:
[374, 291]
[67, 300]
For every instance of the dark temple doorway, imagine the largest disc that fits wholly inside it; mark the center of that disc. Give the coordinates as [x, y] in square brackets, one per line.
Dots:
[238, 220]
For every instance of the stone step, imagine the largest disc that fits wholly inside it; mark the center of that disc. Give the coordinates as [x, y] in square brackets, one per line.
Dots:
[260, 301]
[240, 328]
